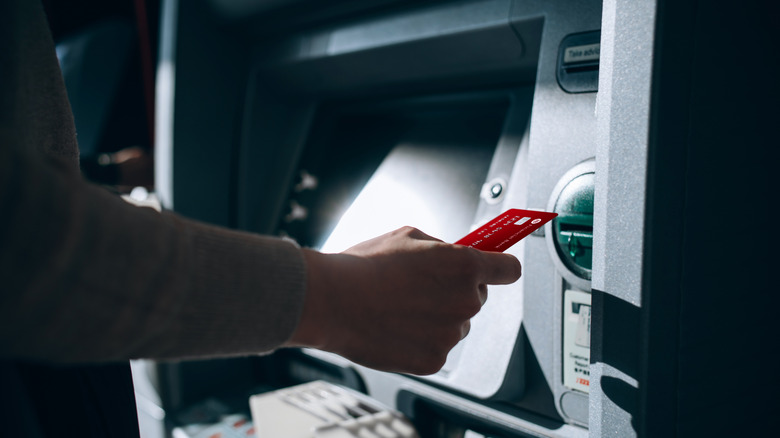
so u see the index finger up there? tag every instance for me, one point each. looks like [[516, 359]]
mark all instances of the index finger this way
[[500, 268]]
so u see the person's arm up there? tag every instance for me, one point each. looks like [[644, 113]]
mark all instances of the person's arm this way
[[86, 277]]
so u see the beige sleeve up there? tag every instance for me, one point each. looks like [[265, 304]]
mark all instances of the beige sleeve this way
[[85, 276]]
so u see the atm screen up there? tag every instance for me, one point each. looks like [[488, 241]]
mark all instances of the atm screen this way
[[369, 169]]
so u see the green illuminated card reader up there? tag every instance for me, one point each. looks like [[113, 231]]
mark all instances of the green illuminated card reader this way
[[572, 230]]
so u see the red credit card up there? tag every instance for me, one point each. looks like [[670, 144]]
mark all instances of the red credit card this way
[[506, 229]]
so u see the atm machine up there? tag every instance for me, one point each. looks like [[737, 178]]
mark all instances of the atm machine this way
[[332, 122]]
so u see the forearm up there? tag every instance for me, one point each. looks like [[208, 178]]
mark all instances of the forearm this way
[[87, 277]]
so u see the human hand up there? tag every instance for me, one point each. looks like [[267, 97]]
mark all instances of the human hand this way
[[398, 302]]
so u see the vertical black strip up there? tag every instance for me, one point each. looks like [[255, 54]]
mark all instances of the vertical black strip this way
[[709, 302], [664, 214]]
